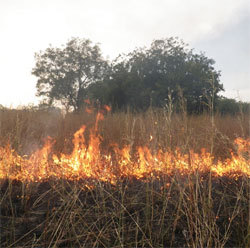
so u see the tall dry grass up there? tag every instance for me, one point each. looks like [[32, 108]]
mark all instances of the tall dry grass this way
[[172, 211], [27, 129]]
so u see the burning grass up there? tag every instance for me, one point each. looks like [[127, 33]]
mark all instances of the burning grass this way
[[144, 180]]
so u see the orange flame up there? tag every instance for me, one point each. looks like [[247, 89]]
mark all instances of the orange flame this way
[[87, 161], [108, 108], [88, 110], [87, 101]]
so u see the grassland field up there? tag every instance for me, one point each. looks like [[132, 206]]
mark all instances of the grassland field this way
[[197, 209]]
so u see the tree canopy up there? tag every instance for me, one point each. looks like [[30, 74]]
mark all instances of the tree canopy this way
[[65, 73], [148, 75], [142, 78]]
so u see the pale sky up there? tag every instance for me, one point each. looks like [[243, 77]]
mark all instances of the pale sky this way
[[220, 28]]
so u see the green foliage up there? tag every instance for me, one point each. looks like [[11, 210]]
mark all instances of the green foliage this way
[[138, 80], [228, 106], [64, 73], [146, 77]]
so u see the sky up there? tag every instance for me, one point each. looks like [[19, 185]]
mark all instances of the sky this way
[[221, 29]]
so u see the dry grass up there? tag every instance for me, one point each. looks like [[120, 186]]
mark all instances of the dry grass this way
[[172, 211], [26, 129]]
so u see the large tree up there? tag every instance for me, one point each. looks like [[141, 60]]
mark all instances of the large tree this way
[[148, 75], [65, 73]]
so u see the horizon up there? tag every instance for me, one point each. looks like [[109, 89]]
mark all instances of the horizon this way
[[220, 30]]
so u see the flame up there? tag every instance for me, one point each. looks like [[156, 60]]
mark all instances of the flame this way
[[88, 110], [88, 161], [87, 101], [107, 108]]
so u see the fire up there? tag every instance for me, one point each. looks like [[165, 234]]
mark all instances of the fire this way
[[88, 161]]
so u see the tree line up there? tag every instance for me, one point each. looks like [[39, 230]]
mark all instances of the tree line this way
[[147, 77]]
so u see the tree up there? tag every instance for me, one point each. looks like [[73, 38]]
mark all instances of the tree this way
[[65, 73], [229, 106], [121, 89], [148, 75]]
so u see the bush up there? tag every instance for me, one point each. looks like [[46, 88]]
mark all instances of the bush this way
[[230, 106]]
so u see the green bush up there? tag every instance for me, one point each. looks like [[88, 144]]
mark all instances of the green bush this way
[[232, 107]]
